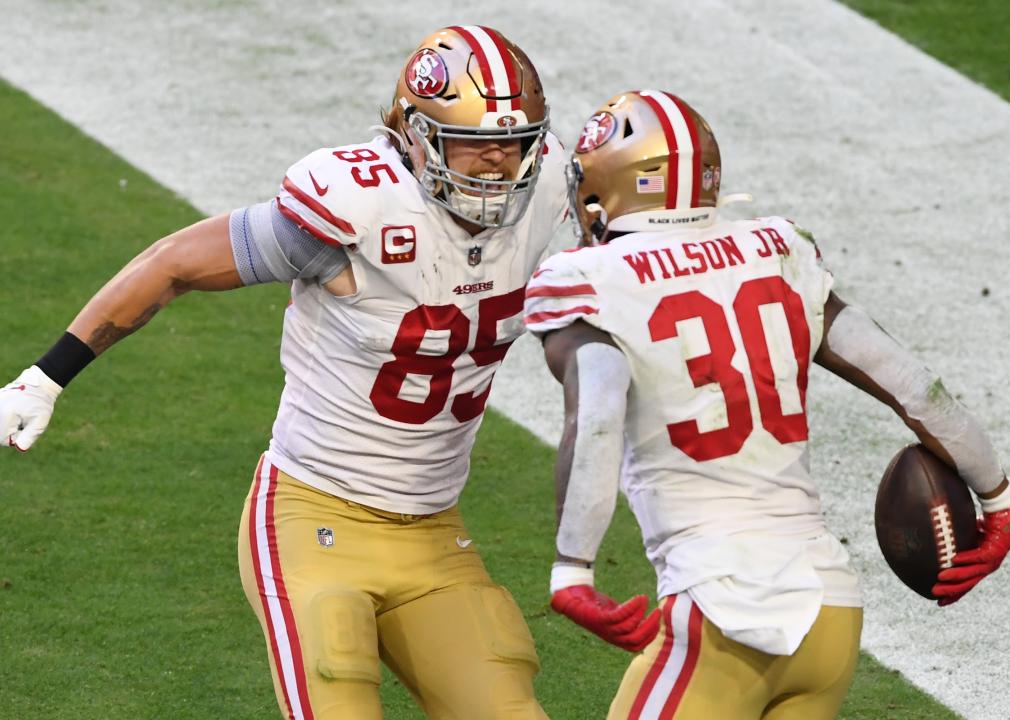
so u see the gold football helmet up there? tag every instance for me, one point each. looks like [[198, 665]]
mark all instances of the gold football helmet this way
[[645, 161], [470, 82]]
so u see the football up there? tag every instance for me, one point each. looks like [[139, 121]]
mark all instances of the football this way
[[924, 515]]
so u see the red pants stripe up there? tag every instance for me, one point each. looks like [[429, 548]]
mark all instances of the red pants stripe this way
[[284, 643]]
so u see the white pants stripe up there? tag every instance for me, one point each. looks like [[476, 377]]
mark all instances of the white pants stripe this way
[[280, 621]]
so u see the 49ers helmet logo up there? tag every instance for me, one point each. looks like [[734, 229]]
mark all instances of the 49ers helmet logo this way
[[597, 131], [427, 75]]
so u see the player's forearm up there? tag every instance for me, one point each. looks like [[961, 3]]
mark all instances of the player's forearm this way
[[562, 476], [858, 350], [590, 464], [196, 258], [126, 303]]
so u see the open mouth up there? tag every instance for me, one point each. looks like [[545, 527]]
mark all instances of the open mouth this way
[[487, 185], [489, 179]]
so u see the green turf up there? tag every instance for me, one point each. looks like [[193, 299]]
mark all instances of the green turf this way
[[119, 592], [972, 36]]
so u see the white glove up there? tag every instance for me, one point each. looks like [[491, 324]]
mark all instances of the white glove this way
[[25, 408]]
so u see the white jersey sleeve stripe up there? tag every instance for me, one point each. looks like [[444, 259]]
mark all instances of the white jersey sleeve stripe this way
[[284, 641], [294, 192], [546, 316], [305, 225], [560, 298], [560, 290]]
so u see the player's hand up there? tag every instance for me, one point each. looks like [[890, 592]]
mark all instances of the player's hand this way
[[970, 566], [25, 408], [624, 625]]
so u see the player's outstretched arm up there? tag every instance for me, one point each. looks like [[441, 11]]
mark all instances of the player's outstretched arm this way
[[856, 349], [596, 378], [198, 257]]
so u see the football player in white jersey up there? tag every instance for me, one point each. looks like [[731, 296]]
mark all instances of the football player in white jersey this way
[[684, 342], [408, 258]]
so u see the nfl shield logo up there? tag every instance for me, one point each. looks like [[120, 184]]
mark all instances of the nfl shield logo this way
[[473, 257], [325, 537]]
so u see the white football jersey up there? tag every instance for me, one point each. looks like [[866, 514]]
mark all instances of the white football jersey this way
[[719, 325], [385, 388]]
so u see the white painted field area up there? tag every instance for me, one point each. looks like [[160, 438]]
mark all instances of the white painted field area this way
[[897, 163]]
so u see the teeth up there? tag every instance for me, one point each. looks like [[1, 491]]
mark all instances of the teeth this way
[[491, 176]]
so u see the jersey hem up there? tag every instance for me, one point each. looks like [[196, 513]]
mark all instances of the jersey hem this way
[[334, 488]]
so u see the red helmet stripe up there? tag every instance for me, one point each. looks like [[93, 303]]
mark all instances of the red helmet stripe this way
[[692, 128], [510, 67], [671, 147], [682, 139], [496, 67], [485, 68]]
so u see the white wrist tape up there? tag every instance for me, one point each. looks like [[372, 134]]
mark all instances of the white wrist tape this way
[[998, 503], [563, 576], [604, 378], [858, 340]]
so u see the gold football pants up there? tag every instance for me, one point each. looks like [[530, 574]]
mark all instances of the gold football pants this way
[[337, 586], [691, 671]]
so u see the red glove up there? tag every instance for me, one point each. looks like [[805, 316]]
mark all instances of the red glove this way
[[970, 566], [622, 625]]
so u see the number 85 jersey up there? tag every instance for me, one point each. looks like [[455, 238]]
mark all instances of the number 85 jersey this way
[[385, 388], [719, 325]]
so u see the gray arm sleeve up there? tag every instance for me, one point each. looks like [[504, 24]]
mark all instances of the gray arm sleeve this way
[[270, 248]]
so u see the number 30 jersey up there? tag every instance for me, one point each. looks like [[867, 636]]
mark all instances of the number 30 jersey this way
[[719, 326], [385, 388]]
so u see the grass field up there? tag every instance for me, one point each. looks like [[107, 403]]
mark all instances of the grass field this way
[[972, 36], [119, 592]]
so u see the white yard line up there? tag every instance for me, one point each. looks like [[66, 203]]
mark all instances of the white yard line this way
[[897, 163]]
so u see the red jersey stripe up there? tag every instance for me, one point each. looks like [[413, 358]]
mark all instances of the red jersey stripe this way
[[554, 314], [671, 146], [560, 291], [696, 155], [300, 222], [317, 207]]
